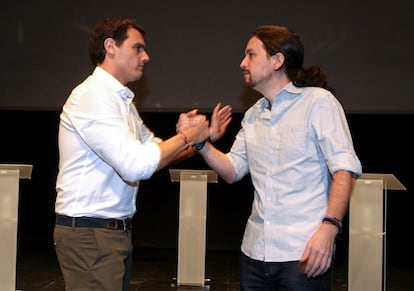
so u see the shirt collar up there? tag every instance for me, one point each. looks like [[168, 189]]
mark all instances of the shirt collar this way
[[123, 91], [289, 90], [292, 89], [126, 94]]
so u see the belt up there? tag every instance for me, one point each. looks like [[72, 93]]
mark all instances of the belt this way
[[110, 223]]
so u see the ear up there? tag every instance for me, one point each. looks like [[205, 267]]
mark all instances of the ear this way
[[109, 45], [278, 60]]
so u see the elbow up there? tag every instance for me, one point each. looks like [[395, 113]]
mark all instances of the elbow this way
[[229, 179], [134, 174], [133, 178]]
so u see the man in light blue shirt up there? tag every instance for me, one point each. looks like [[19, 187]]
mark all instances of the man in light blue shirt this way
[[296, 145]]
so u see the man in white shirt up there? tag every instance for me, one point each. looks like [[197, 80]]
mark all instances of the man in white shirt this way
[[105, 149]]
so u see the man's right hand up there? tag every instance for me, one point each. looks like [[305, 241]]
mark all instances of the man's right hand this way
[[189, 119], [220, 119]]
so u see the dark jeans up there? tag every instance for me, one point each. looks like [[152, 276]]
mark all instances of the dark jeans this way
[[284, 276]]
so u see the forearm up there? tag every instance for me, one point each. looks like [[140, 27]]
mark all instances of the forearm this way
[[219, 162], [174, 150], [340, 193]]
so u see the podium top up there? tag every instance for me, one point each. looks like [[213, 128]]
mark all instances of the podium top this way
[[390, 181], [25, 171], [176, 174]]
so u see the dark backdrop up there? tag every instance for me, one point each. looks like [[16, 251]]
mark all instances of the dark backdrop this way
[[365, 47], [382, 142]]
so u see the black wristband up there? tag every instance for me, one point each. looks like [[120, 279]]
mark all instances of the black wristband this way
[[334, 221], [200, 145]]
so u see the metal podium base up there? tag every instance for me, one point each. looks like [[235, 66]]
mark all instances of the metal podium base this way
[[206, 286]]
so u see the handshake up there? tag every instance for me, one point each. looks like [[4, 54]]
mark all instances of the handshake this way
[[198, 130]]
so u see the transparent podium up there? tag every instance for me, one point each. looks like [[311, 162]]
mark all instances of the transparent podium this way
[[192, 225], [10, 176], [367, 231]]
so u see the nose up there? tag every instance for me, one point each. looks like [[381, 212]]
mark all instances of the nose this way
[[242, 64], [146, 57]]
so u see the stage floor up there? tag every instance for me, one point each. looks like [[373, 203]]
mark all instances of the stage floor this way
[[155, 269]]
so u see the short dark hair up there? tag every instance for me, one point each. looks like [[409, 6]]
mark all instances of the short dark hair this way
[[115, 28]]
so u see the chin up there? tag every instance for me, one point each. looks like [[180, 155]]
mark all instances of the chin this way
[[138, 76], [249, 84], [248, 81]]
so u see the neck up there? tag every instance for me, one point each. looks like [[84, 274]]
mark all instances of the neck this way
[[273, 87]]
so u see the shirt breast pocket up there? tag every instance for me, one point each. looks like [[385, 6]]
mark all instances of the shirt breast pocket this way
[[293, 144]]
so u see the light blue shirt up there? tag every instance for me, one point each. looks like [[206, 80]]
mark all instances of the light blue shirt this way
[[291, 153], [104, 150]]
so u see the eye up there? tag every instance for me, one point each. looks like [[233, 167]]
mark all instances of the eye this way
[[139, 48]]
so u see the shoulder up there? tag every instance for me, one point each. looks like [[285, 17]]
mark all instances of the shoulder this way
[[318, 95], [92, 95]]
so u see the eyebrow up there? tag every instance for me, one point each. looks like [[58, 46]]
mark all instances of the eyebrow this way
[[249, 50], [139, 45]]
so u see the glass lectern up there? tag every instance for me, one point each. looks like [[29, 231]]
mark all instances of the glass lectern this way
[[367, 231], [192, 225], [10, 176]]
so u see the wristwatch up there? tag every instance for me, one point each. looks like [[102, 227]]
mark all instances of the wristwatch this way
[[200, 145]]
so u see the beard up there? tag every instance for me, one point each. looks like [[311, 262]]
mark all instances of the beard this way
[[248, 81]]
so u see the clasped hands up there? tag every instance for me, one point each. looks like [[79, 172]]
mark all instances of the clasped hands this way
[[220, 119]]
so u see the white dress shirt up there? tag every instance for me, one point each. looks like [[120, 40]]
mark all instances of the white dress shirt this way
[[291, 153], [104, 150]]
